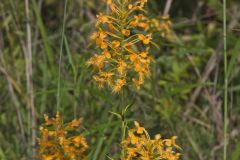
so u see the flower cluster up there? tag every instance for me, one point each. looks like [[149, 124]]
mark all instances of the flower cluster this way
[[139, 146], [123, 41], [161, 25], [58, 142]]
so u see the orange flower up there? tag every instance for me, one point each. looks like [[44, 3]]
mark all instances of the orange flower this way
[[101, 19], [101, 81], [107, 54], [145, 39], [115, 44], [121, 67], [133, 138], [130, 6], [119, 84], [126, 32], [139, 128], [107, 76], [109, 2], [97, 61]]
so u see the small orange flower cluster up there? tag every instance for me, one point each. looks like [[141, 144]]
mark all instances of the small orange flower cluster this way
[[139, 145], [56, 143], [162, 25], [124, 44]]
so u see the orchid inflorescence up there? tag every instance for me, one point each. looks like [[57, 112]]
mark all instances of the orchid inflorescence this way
[[58, 141], [124, 41], [139, 146]]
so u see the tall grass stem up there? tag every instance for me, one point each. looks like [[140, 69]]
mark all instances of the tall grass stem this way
[[60, 57], [29, 76], [225, 81]]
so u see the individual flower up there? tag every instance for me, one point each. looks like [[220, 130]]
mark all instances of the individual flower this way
[[123, 41], [139, 146], [58, 141]]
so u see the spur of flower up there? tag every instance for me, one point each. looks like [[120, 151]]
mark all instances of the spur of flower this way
[[123, 41], [139, 146], [59, 141]]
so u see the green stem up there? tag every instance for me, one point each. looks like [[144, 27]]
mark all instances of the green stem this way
[[123, 123], [225, 82], [123, 136]]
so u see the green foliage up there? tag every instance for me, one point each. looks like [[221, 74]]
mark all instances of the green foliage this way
[[183, 96]]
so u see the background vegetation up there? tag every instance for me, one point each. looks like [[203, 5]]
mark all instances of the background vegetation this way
[[184, 96]]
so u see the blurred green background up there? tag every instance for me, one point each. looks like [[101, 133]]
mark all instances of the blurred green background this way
[[183, 97]]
